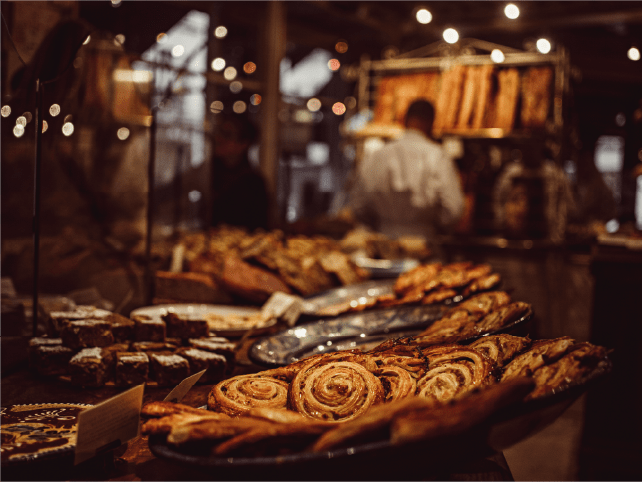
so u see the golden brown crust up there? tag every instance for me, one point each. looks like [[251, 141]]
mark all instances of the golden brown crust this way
[[540, 353], [163, 409], [500, 349], [239, 394], [164, 425]]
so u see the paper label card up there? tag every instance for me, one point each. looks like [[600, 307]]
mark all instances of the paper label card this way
[[177, 394], [108, 424]]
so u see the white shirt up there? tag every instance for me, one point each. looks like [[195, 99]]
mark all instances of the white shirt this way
[[408, 187]]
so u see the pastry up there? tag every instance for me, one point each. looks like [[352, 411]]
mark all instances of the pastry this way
[[239, 394], [500, 349]]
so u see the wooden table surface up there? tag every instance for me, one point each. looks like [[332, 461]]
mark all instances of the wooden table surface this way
[[134, 461]]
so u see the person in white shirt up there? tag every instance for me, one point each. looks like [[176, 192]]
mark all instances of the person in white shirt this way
[[409, 187]]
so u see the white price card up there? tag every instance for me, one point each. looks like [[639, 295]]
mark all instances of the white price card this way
[[108, 424], [177, 394]]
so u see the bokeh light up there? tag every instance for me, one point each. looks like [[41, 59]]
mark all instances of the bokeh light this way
[[239, 107], [634, 54], [334, 64], [89, 37], [54, 110], [423, 16], [497, 56], [351, 102], [236, 87], [543, 46], [28, 116], [339, 108], [450, 35], [5, 111], [313, 104], [230, 73], [512, 11], [161, 38], [218, 64], [21, 121], [249, 67], [341, 47], [120, 38], [178, 50], [122, 133], [68, 118], [45, 126], [18, 130], [220, 31], [255, 99], [68, 128], [116, 3], [216, 107]]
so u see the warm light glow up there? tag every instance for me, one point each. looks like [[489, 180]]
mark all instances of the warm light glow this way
[[54, 110], [125, 75], [18, 130], [120, 38], [89, 37], [230, 73], [351, 102], [116, 3], [313, 104], [634, 54], [255, 99], [28, 116], [334, 64], [512, 11], [161, 38], [249, 67], [236, 87], [341, 47], [450, 35], [68, 118], [45, 126], [5, 111], [339, 108], [423, 16], [21, 121], [239, 107], [216, 107], [122, 133], [220, 32], [497, 56], [68, 129], [218, 64], [543, 46], [178, 50]]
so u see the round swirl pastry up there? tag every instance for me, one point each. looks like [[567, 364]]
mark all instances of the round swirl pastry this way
[[500, 349], [335, 390], [239, 394], [453, 371], [398, 374]]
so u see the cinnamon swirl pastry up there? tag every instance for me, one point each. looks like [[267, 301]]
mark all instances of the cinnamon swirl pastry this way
[[398, 374], [485, 282], [485, 303], [500, 349], [541, 353], [415, 277], [453, 371], [502, 317], [335, 390], [239, 394]]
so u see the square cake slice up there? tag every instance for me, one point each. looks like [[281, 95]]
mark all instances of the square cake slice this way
[[89, 368], [149, 329], [87, 333], [168, 369], [214, 363], [132, 368], [51, 360]]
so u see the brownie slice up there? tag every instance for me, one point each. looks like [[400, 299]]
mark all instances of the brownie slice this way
[[168, 368], [38, 341], [183, 328], [122, 327], [132, 368], [89, 368], [149, 329], [57, 319], [51, 360], [214, 363], [219, 345], [87, 333], [154, 346]]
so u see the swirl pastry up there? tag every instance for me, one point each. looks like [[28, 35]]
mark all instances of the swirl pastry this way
[[500, 349], [540, 353], [239, 394], [335, 390], [453, 371], [485, 303], [502, 317], [398, 374]]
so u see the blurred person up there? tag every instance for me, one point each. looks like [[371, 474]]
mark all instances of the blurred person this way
[[409, 187], [239, 193]]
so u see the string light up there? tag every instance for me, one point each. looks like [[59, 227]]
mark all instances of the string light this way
[[18, 130], [313, 104], [54, 110], [178, 50], [230, 73], [220, 32], [497, 56], [5, 111], [21, 121], [239, 107], [450, 35], [161, 38], [634, 54], [120, 38], [512, 11], [45, 126], [423, 16], [116, 3], [249, 67], [255, 99], [334, 64], [68, 129], [218, 64], [339, 108], [543, 46], [216, 107], [341, 47], [122, 133], [236, 87]]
